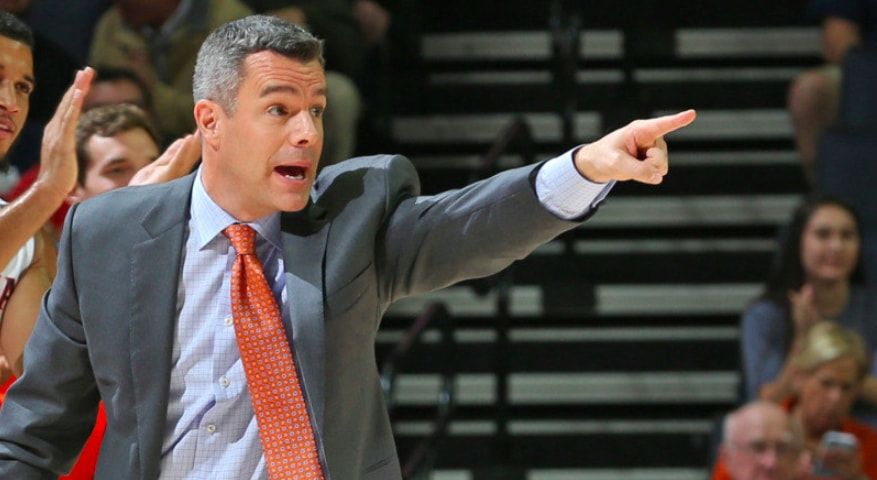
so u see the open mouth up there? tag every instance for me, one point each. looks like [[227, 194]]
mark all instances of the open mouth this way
[[293, 172]]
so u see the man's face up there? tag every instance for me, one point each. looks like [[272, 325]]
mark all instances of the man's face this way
[[16, 84], [114, 160], [761, 448], [267, 151]]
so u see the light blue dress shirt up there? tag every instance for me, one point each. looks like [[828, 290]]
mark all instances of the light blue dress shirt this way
[[210, 431]]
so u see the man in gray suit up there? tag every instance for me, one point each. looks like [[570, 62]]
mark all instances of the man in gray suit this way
[[140, 314]]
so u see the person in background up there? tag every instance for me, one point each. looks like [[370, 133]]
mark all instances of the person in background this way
[[760, 441], [817, 276], [814, 95], [832, 365], [159, 39]]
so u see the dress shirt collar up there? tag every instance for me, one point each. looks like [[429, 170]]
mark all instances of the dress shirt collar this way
[[209, 219]]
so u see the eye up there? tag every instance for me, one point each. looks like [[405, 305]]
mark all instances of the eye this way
[[849, 234], [115, 171], [24, 88], [823, 233], [277, 110], [317, 112]]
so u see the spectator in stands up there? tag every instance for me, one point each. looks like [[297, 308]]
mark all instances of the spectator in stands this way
[[814, 95], [116, 142], [333, 21], [159, 40], [761, 442], [817, 276], [831, 368]]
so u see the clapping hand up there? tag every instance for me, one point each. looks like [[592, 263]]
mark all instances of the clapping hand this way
[[58, 167], [176, 161]]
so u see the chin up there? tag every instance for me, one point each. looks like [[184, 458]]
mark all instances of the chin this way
[[295, 205]]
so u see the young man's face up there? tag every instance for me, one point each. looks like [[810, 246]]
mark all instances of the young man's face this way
[[114, 160], [16, 84], [267, 151]]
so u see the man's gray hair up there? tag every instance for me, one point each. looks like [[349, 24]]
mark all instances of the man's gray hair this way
[[219, 67], [759, 407]]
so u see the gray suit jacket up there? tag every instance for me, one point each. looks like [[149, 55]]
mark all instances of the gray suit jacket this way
[[366, 239]]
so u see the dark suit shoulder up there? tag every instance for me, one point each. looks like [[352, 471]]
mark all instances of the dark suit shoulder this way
[[382, 162], [374, 183]]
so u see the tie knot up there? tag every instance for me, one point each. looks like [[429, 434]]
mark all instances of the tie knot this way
[[242, 238]]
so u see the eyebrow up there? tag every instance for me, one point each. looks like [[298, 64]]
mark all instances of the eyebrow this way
[[286, 88]]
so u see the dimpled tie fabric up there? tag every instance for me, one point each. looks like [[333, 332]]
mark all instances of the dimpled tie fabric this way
[[281, 414]]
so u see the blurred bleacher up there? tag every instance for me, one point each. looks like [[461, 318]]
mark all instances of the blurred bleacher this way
[[622, 339]]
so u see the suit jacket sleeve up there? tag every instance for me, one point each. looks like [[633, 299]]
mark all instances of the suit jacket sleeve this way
[[429, 242], [50, 411]]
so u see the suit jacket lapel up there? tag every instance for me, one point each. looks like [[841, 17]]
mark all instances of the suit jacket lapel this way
[[304, 249], [155, 273]]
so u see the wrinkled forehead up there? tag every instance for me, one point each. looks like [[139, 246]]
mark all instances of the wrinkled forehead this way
[[267, 66]]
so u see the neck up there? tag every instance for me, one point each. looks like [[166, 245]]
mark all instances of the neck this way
[[228, 198], [812, 436], [831, 297]]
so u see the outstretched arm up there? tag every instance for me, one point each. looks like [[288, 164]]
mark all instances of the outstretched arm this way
[[432, 242]]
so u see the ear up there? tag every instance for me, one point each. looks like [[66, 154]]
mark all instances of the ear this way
[[209, 117]]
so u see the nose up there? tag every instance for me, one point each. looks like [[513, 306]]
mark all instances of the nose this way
[[305, 129], [8, 98], [768, 459]]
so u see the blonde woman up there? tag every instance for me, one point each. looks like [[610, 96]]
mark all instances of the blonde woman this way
[[831, 367]]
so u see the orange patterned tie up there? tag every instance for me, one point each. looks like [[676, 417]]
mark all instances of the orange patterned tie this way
[[281, 414]]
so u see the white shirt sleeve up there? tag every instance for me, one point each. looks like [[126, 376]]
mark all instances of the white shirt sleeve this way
[[565, 192]]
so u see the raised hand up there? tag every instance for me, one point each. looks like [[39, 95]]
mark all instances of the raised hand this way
[[802, 305], [58, 168], [636, 151], [176, 161]]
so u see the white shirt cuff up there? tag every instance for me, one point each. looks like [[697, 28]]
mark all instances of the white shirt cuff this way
[[565, 192]]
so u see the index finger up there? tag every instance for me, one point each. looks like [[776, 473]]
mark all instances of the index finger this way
[[660, 126]]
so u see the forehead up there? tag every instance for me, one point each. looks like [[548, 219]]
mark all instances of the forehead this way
[[844, 369], [763, 426], [135, 140], [831, 214], [14, 54], [267, 67]]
